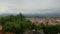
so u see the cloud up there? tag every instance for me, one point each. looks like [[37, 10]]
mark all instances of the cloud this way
[[29, 6]]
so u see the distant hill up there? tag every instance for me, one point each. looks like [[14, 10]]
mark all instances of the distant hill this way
[[4, 14], [36, 15], [43, 15]]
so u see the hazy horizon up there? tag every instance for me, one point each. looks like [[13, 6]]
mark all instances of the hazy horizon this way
[[30, 6]]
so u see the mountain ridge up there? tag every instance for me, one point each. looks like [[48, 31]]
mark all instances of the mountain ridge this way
[[30, 15]]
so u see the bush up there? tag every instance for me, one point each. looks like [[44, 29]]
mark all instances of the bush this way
[[20, 25], [52, 29]]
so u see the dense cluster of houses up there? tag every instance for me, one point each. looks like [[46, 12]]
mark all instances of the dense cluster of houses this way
[[48, 21]]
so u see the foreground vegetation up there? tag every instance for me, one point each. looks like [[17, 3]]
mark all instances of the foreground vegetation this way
[[19, 25]]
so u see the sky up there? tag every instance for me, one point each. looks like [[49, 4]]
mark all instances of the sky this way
[[29, 6]]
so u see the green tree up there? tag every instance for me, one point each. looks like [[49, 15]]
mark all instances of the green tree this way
[[2, 20], [19, 27], [50, 29], [17, 24]]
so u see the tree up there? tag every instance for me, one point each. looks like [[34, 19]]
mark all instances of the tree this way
[[40, 26], [50, 29], [11, 27], [2, 20], [19, 27], [17, 24]]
